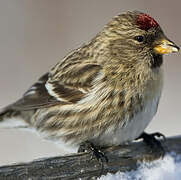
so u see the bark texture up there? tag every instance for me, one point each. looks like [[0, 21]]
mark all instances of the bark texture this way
[[83, 166]]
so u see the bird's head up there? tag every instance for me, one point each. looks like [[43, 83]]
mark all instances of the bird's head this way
[[135, 36]]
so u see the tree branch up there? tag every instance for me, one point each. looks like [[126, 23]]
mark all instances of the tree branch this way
[[81, 165]]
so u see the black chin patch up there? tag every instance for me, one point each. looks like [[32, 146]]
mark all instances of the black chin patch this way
[[156, 61]]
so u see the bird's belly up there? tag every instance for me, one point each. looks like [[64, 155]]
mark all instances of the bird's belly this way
[[133, 128]]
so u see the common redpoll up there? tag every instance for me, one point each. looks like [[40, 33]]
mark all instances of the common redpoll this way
[[105, 92]]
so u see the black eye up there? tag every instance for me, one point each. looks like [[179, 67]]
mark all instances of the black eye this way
[[139, 38]]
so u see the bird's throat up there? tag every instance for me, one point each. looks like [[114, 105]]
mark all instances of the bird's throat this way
[[156, 61]]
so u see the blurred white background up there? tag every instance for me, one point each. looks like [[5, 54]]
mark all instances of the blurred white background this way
[[36, 34]]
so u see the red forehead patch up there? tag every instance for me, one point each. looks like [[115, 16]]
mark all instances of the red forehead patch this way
[[145, 22]]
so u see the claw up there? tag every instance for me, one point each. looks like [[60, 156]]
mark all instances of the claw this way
[[100, 156], [150, 140], [96, 152], [159, 135], [87, 146]]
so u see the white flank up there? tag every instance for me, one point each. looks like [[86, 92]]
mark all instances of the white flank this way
[[133, 128]]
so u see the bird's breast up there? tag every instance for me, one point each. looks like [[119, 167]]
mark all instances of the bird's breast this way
[[134, 118], [118, 134]]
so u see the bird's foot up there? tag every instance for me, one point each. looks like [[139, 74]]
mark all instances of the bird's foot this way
[[96, 151], [152, 141]]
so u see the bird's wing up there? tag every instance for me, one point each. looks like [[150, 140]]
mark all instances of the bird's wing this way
[[62, 85], [35, 97]]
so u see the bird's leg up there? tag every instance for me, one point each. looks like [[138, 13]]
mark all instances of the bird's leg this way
[[88, 146], [96, 151], [152, 141]]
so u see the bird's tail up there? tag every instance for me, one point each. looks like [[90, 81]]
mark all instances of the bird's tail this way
[[4, 113], [10, 118]]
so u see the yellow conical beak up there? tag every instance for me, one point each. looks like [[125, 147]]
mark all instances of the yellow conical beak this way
[[164, 46]]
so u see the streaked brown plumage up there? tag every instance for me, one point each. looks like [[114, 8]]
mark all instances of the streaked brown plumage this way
[[106, 91]]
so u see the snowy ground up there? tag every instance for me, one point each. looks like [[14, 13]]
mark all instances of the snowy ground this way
[[167, 169]]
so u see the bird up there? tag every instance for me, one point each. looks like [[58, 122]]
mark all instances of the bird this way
[[104, 92]]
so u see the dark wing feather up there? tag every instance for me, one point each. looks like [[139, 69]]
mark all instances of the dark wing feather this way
[[72, 83], [35, 97], [68, 87]]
